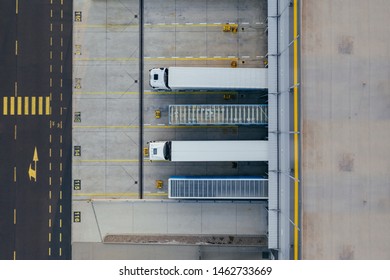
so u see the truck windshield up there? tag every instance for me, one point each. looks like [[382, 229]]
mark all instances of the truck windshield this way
[[167, 150], [166, 78]]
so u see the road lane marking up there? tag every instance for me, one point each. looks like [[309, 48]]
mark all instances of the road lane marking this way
[[32, 173], [60, 223], [51, 13], [19, 109], [16, 47], [49, 251], [26, 103], [12, 105], [60, 152], [61, 139], [40, 105], [5, 105], [16, 132], [51, 55], [62, 13], [47, 107], [50, 181], [60, 252], [60, 237], [49, 152], [62, 27], [14, 255], [49, 166], [50, 138], [49, 209], [33, 105], [60, 193], [60, 208], [14, 216], [17, 6], [49, 222], [61, 185], [49, 194], [49, 236], [15, 174], [60, 166]]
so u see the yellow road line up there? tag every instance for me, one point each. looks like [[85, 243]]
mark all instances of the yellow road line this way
[[26, 103], [296, 127], [152, 92], [158, 59], [14, 216], [47, 107], [49, 223], [49, 236], [40, 105], [168, 25], [5, 105], [14, 255], [119, 194], [33, 105], [106, 160], [151, 126], [17, 6], [12, 105], [49, 251], [19, 112]]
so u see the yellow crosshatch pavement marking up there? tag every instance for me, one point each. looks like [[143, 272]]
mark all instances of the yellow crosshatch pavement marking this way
[[23, 106]]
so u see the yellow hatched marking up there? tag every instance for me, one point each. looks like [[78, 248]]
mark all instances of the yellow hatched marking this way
[[26, 103], [19, 112], [33, 105], [12, 105], [5, 105], [40, 105]]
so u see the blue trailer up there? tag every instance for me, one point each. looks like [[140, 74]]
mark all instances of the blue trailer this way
[[210, 187]]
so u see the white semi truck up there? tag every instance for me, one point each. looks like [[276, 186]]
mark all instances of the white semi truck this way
[[178, 151], [208, 78]]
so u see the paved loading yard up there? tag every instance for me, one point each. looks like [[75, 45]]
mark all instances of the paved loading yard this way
[[346, 129], [106, 111]]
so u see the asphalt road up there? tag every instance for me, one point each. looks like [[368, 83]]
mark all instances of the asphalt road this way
[[35, 129]]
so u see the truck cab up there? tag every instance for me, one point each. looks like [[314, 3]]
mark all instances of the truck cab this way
[[158, 78], [160, 150]]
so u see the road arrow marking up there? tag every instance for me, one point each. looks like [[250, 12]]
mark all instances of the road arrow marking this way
[[32, 173]]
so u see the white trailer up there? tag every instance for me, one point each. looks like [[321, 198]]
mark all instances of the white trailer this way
[[207, 151], [218, 114], [208, 78], [208, 187]]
